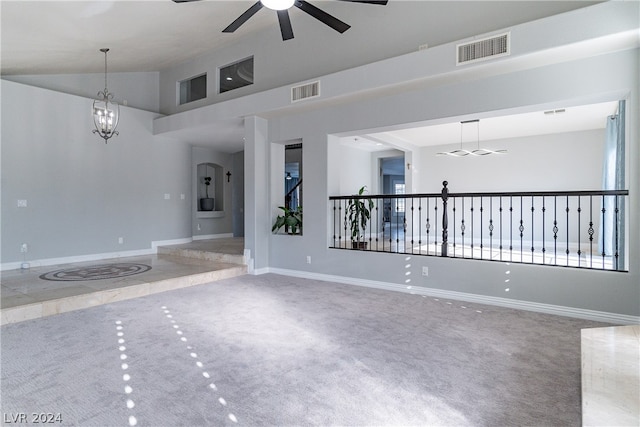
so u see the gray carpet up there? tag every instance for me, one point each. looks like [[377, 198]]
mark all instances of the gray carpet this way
[[279, 351]]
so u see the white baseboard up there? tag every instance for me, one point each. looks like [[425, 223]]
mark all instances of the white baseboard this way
[[74, 259], [213, 236], [155, 244], [598, 316], [95, 257]]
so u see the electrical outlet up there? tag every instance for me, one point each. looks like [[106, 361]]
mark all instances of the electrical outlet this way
[[198, 226], [24, 248], [167, 196], [425, 271], [120, 240], [22, 203], [181, 196], [308, 259]]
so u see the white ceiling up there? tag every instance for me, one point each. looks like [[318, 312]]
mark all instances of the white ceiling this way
[[557, 120], [58, 37], [64, 37]]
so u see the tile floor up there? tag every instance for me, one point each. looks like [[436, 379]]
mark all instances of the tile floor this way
[[24, 295], [611, 376]]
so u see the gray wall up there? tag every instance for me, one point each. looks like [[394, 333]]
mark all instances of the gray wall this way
[[83, 194], [563, 83]]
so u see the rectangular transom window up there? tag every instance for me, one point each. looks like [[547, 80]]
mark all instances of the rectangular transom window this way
[[236, 75], [193, 89]]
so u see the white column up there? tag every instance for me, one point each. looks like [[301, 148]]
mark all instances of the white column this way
[[257, 209]]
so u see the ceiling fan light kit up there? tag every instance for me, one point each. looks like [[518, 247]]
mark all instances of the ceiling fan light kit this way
[[282, 8], [277, 4]]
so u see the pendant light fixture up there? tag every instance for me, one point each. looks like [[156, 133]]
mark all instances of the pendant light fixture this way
[[478, 151], [106, 112]]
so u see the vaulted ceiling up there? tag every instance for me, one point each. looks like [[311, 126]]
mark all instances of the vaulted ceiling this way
[[63, 37]]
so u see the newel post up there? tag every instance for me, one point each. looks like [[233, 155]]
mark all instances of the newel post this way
[[445, 219]]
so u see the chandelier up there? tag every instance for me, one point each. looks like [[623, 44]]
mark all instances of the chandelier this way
[[477, 152], [106, 112]]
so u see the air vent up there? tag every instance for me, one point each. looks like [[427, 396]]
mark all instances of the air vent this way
[[480, 50], [305, 91]]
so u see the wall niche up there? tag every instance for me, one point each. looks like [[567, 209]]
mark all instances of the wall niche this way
[[210, 185]]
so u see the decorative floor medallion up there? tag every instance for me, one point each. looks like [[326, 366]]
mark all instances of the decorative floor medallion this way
[[96, 272]]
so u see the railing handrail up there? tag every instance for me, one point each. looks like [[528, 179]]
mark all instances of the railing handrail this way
[[430, 218], [490, 194]]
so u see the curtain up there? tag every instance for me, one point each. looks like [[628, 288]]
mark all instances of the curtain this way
[[613, 179]]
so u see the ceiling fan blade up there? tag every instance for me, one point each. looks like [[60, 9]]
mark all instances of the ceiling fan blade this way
[[285, 24], [322, 16], [243, 18], [379, 2]]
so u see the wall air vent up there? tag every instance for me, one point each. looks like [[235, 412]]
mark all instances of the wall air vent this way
[[305, 91], [480, 50]]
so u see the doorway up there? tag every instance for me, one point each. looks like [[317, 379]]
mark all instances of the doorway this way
[[392, 182]]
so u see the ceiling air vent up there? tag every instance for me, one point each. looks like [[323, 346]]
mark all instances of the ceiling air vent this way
[[483, 49], [305, 91]]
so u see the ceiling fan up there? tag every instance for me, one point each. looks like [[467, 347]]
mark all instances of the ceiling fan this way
[[282, 8]]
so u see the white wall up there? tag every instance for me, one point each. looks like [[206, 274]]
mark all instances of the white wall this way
[[135, 90], [558, 162], [354, 168], [395, 29], [83, 194]]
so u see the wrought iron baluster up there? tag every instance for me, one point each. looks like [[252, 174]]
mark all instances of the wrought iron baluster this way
[[555, 230], [377, 221], [412, 230], [404, 225], [435, 234], [567, 251], [454, 227], [591, 231], [579, 231], [511, 228], [521, 228], [481, 229], [420, 225], [532, 229], [615, 221], [490, 227], [544, 243], [344, 223], [427, 226], [334, 223], [472, 235], [462, 227], [500, 210], [604, 211]]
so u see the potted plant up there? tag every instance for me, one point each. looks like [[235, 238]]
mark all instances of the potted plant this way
[[207, 203], [291, 220], [359, 214]]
